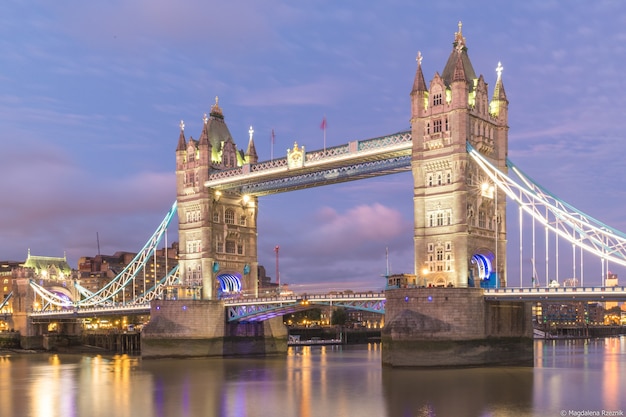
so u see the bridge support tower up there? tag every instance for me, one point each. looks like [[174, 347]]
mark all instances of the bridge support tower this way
[[460, 216]]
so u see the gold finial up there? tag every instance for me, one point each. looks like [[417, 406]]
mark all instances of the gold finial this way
[[459, 40], [499, 69], [419, 58], [251, 132], [182, 126], [215, 109], [205, 118]]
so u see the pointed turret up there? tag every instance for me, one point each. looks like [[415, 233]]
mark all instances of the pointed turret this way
[[452, 70], [182, 143], [419, 84], [204, 136], [251, 156], [499, 103], [498, 92], [419, 93]]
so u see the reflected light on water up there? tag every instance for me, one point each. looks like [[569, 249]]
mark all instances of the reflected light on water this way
[[311, 381]]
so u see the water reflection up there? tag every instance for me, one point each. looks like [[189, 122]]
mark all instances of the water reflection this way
[[313, 381]]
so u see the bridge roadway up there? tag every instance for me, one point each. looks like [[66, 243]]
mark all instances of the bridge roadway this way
[[262, 308]]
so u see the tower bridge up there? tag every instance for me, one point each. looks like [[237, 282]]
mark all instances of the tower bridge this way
[[457, 153]]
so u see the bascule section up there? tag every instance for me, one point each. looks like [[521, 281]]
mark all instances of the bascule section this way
[[217, 228], [460, 215]]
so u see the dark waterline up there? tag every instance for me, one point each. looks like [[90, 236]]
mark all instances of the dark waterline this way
[[570, 377]]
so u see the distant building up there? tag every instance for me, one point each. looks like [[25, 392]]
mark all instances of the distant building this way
[[97, 271], [611, 281], [401, 280]]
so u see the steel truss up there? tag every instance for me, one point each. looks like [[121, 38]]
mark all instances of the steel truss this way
[[556, 215], [330, 176], [106, 294], [6, 300], [244, 310], [351, 161]]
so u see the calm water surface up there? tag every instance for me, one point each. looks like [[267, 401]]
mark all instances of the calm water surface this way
[[570, 378]]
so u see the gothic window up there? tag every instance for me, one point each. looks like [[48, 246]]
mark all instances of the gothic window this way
[[439, 181], [219, 247], [230, 246], [440, 253], [440, 218], [428, 128], [430, 180], [242, 220], [481, 219], [447, 127], [437, 99], [216, 216], [437, 126], [448, 177], [240, 249], [229, 216], [430, 247]]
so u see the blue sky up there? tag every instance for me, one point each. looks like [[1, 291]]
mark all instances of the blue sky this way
[[92, 94]]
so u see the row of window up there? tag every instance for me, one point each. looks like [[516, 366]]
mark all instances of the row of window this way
[[438, 126], [434, 179], [231, 247], [439, 218], [191, 179]]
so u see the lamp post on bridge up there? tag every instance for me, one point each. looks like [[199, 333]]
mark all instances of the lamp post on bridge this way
[[277, 250]]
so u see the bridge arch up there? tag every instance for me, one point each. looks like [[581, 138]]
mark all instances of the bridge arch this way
[[229, 284]]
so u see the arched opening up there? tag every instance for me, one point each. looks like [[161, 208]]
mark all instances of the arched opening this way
[[229, 285]]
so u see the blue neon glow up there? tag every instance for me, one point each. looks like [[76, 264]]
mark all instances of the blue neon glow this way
[[484, 266]]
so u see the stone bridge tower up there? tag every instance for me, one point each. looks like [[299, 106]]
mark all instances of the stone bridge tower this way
[[460, 217], [217, 230]]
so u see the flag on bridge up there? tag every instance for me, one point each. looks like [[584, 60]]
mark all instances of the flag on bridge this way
[[323, 127]]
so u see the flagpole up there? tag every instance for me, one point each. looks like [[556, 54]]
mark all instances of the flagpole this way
[[324, 128], [272, 146]]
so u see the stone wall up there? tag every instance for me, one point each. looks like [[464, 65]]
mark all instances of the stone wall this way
[[191, 328], [438, 327]]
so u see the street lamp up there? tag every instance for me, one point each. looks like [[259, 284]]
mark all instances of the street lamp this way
[[489, 190]]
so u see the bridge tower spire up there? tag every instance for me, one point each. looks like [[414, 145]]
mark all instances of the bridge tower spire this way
[[459, 232], [217, 229]]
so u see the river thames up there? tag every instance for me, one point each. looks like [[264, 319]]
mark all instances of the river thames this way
[[570, 378]]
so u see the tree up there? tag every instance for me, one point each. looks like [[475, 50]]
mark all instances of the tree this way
[[339, 317]]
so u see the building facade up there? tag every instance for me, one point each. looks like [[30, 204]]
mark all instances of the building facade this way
[[460, 216], [217, 230]]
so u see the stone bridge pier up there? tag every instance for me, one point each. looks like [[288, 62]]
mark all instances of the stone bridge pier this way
[[454, 327], [189, 328]]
